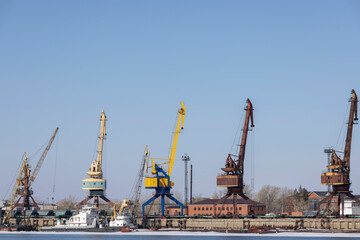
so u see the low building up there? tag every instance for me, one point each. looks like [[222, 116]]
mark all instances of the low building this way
[[316, 196], [207, 207], [351, 207], [47, 206], [174, 210], [296, 207]]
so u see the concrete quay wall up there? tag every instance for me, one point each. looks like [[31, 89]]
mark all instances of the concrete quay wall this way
[[333, 224]]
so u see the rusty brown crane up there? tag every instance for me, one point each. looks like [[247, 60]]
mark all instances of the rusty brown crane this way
[[233, 178], [22, 189], [338, 175]]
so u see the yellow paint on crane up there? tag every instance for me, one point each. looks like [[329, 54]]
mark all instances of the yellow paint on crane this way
[[151, 182], [15, 191], [334, 166], [180, 121], [96, 180]]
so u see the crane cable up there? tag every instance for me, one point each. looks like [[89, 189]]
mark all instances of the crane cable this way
[[238, 131], [172, 139], [15, 176], [96, 145], [341, 129], [19, 166], [252, 159], [37, 151], [55, 170]]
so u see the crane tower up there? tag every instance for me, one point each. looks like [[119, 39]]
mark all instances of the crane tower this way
[[162, 169], [233, 178], [22, 188], [96, 184], [338, 174]]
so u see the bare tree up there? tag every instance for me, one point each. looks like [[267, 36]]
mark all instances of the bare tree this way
[[68, 203], [178, 195], [197, 197], [277, 199], [218, 194], [285, 193], [270, 196], [248, 191], [301, 196]]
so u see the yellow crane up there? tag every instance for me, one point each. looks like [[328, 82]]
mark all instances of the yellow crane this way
[[96, 184], [15, 191], [162, 169], [22, 187]]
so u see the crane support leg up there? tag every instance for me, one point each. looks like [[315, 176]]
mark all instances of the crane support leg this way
[[162, 205], [177, 202], [222, 200], [34, 203], [82, 202], [235, 205], [243, 196], [325, 200], [341, 196], [148, 202], [163, 193], [107, 200], [353, 197]]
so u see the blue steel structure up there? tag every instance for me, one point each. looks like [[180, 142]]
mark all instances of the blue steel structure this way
[[162, 192], [161, 177]]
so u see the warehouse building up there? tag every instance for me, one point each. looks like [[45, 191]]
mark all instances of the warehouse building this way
[[207, 207]]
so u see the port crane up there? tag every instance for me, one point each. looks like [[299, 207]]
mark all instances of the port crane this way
[[233, 177], [338, 175], [161, 170], [96, 184], [140, 178], [22, 187], [130, 206]]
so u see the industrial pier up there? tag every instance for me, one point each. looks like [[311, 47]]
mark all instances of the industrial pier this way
[[242, 225]]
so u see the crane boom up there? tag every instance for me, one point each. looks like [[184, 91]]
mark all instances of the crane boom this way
[[161, 182], [96, 165], [180, 122], [233, 178], [249, 116], [137, 191], [101, 140], [352, 118], [96, 184], [338, 174], [42, 158]]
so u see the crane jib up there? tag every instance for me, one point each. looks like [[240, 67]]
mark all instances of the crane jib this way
[[42, 158]]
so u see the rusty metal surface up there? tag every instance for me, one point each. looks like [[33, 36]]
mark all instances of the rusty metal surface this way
[[234, 169], [339, 169], [341, 178], [229, 181]]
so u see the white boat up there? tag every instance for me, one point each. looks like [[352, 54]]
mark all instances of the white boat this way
[[123, 221], [88, 218]]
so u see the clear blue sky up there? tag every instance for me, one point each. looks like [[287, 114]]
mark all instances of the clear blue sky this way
[[62, 62]]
